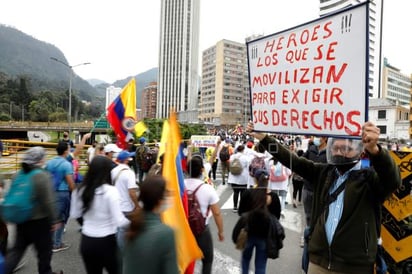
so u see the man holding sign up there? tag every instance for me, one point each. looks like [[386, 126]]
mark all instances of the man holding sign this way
[[343, 236]]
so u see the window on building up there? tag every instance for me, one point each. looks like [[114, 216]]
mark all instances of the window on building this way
[[383, 129], [381, 114]]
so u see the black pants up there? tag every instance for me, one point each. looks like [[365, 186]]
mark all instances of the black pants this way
[[35, 232], [213, 170], [237, 192], [297, 189], [99, 254], [205, 243]]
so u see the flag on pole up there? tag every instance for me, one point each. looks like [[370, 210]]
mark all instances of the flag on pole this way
[[121, 113], [187, 249], [140, 128]]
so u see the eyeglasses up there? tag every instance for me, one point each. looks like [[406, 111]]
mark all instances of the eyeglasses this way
[[342, 149]]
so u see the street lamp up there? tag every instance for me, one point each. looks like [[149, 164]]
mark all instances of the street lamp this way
[[69, 118]]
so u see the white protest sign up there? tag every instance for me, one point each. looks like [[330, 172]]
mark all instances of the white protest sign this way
[[312, 79], [204, 140]]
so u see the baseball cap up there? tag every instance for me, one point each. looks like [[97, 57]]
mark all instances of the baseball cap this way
[[112, 148], [124, 154], [34, 155], [142, 140], [259, 172]]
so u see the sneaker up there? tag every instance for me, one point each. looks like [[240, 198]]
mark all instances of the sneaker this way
[[235, 210], [59, 272], [61, 248]]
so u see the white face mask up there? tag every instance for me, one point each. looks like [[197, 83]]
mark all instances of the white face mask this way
[[316, 141]]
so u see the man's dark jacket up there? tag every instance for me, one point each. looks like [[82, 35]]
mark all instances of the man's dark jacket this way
[[354, 245], [318, 156]]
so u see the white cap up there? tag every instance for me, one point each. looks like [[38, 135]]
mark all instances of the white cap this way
[[112, 148]]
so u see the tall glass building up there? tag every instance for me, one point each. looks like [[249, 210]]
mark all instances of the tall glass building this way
[[178, 58]]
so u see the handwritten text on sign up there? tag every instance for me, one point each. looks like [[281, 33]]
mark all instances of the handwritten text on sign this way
[[312, 79]]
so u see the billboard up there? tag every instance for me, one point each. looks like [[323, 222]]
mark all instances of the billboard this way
[[312, 79]]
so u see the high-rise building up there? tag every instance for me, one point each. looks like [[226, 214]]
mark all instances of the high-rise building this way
[[224, 96], [149, 101], [396, 86], [178, 57], [111, 94], [375, 36]]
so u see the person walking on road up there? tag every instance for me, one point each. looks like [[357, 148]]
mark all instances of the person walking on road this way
[[95, 204], [208, 201], [44, 219], [343, 234], [63, 171]]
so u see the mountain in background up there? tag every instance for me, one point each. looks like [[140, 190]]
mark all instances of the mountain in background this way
[[22, 55], [95, 82]]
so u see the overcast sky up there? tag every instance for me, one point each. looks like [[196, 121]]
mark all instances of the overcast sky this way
[[121, 38]]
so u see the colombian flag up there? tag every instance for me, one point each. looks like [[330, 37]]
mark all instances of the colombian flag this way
[[121, 113], [186, 246]]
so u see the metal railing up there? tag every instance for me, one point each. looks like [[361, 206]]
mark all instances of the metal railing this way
[[13, 151]]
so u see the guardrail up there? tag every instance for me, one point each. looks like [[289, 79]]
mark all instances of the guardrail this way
[[13, 151]]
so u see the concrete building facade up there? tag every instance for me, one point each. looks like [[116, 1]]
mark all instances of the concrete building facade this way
[[149, 101], [224, 95], [375, 36], [396, 86]]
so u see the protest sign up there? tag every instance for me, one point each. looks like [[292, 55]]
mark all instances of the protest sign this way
[[312, 79], [204, 140]]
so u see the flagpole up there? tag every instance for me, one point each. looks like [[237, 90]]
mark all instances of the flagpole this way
[[98, 120]]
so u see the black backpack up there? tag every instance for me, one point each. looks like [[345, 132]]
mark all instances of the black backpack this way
[[224, 154]]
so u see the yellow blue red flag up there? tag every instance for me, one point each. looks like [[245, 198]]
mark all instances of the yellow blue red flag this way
[[186, 245], [121, 113]]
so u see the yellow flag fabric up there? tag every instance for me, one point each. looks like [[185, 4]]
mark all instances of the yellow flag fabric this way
[[121, 113], [163, 139], [140, 128], [186, 245]]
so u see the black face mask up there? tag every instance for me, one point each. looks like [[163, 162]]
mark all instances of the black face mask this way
[[343, 163], [65, 136]]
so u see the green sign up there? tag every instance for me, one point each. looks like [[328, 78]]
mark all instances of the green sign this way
[[101, 124]]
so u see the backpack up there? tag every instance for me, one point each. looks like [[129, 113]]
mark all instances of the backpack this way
[[274, 241], [148, 160], [224, 153], [277, 173], [236, 167], [139, 153], [196, 219], [18, 203], [255, 164]]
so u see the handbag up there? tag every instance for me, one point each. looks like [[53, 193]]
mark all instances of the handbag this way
[[241, 239]]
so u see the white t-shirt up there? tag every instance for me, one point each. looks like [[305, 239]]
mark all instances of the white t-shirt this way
[[90, 152], [206, 195], [104, 216], [124, 179]]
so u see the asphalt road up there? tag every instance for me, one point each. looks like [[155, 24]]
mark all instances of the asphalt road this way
[[226, 259]]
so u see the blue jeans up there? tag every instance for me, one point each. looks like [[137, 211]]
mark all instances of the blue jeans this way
[[63, 211], [260, 255]]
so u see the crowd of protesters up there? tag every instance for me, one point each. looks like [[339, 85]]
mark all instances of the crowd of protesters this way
[[121, 196]]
